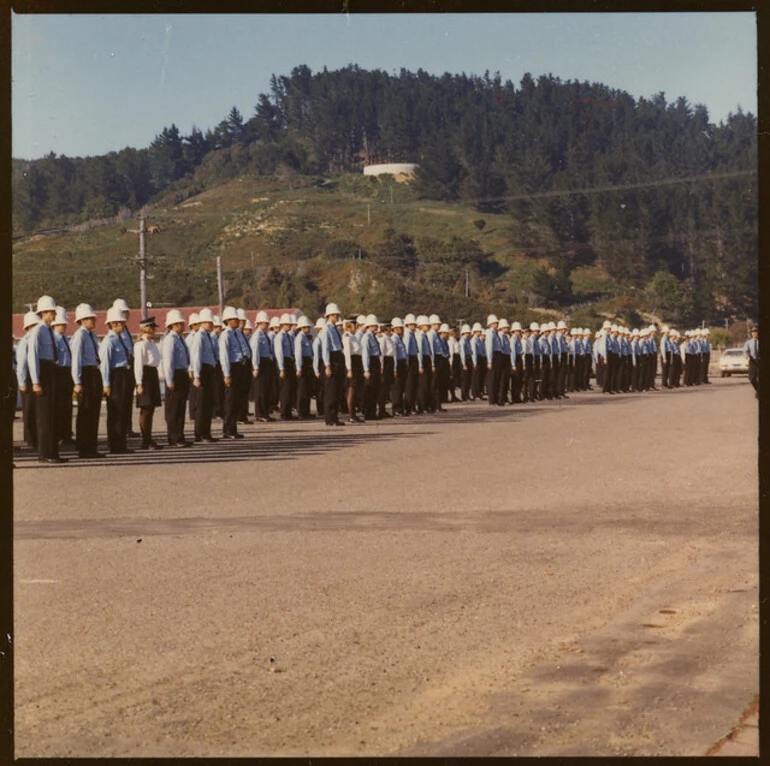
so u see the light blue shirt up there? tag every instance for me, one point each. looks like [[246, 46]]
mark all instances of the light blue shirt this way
[[230, 351], [85, 353], [491, 343], [174, 355], [466, 352], [22, 365], [113, 354], [63, 352], [283, 349], [261, 347], [410, 342], [330, 341], [399, 348], [424, 348], [751, 348], [129, 342], [201, 352], [40, 346], [545, 346], [369, 347], [317, 354], [303, 347]]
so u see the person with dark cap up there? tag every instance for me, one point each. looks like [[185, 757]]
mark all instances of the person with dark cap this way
[[751, 350], [42, 356], [146, 362]]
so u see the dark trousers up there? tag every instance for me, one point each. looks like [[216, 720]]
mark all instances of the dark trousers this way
[[457, 377], [386, 384], [465, 391], [128, 404], [64, 386], [530, 376], [288, 387], [305, 384], [121, 388], [676, 371], [555, 367], [372, 387], [545, 378], [494, 378], [89, 406], [192, 403], [437, 383], [28, 412], [334, 385], [8, 402], [275, 388], [424, 385], [479, 376], [517, 379], [232, 398], [561, 374], [505, 380], [610, 373], [588, 364], [45, 412], [204, 410], [219, 392], [263, 384], [243, 402], [399, 385], [754, 374], [665, 368], [601, 374], [705, 362], [175, 406], [412, 379]]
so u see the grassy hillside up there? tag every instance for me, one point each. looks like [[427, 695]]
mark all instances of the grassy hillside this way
[[299, 245]]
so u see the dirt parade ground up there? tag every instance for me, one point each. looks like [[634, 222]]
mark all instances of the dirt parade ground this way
[[555, 579]]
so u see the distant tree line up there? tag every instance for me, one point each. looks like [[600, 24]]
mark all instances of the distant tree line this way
[[652, 191]]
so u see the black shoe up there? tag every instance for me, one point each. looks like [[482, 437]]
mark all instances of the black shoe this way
[[246, 422], [338, 423], [228, 436], [90, 455], [181, 444], [210, 439], [198, 438], [53, 460], [132, 434], [122, 451], [70, 440]]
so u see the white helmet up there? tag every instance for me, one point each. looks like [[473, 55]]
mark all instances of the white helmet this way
[[706, 331], [516, 326], [261, 317], [31, 319], [241, 315], [614, 328], [371, 321], [587, 331], [319, 323], [303, 321], [465, 328], [574, 331], [607, 325], [61, 316], [45, 303], [274, 322], [434, 319], [664, 328], [491, 319], [173, 317], [503, 323], [206, 315], [248, 325], [360, 319], [635, 331], [409, 319], [115, 315], [422, 320], [285, 319], [396, 322], [192, 319], [218, 321], [644, 331], [120, 304], [332, 308], [477, 327], [552, 325], [229, 313], [534, 326], [444, 327], [84, 311], [652, 328], [562, 325]]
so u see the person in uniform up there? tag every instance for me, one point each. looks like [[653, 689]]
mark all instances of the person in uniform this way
[[436, 347], [443, 365], [676, 362], [351, 348], [87, 382], [427, 365], [231, 357], [666, 356], [120, 305], [588, 360], [706, 358], [561, 380], [517, 357], [506, 366], [273, 329], [175, 360], [479, 359], [146, 362], [400, 371], [219, 378], [64, 384], [264, 367], [546, 354], [574, 360], [636, 361], [751, 350], [333, 365], [531, 362], [372, 365], [287, 372], [193, 323], [413, 364], [117, 380], [42, 357], [494, 360], [203, 359], [455, 365], [303, 354], [388, 357], [318, 370], [245, 369], [466, 362]]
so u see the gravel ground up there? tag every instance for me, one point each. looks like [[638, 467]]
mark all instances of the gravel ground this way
[[574, 578]]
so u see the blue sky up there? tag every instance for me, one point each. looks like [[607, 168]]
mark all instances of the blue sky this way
[[85, 85]]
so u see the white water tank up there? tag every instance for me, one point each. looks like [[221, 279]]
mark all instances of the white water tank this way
[[392, 168]]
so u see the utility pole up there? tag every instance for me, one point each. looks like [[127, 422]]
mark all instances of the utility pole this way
[[391, 195], [727, 324], [142, 268], [467, 284], [220, 285]]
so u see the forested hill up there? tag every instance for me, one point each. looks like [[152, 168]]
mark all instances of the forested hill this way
[[579, 174]]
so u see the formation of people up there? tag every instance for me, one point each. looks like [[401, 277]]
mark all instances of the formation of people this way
[[356, 368]]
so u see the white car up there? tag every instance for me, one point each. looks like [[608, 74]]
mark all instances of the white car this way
[[733, 362]]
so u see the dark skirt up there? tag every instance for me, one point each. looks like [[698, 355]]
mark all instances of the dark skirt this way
[[151, 395], [357, 367]]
